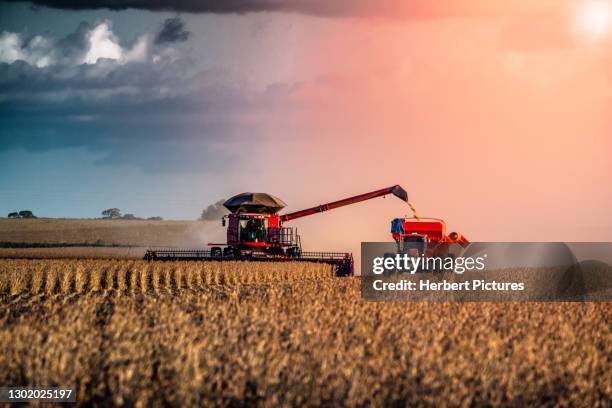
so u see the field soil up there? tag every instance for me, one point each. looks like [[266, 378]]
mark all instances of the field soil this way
[[139, 233], [233, 334], [95, 252]]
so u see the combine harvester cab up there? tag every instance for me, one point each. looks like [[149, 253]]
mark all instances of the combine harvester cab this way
[[256, 232]]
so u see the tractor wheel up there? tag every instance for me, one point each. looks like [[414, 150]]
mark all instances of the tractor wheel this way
[[293, 252], [389, 272], [276, 251], [344, 269]]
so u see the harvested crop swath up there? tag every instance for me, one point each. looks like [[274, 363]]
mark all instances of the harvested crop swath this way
[[32, 277]]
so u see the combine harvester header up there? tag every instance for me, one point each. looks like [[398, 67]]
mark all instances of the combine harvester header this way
[[256, 232]]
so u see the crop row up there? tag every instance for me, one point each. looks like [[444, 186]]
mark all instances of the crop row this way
[[22, 277]]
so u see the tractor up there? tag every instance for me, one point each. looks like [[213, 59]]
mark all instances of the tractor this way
[[427, 237]]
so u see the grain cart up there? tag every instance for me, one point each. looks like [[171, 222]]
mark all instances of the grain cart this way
[[424, 236]]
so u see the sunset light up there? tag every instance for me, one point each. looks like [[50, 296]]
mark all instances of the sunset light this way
[[594, 18], [306, 203]]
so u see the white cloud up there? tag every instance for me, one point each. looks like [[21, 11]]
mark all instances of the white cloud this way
[[10, 47], [88, 45], [140, 52], [103, 44], [38, 52]]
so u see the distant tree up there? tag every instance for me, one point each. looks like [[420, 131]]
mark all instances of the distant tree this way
[[26, 214], [155, 218], [129, 217], [111, 213], [13, 215], [214, 211]]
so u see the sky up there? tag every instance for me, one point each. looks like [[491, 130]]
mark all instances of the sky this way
[[494, 115]]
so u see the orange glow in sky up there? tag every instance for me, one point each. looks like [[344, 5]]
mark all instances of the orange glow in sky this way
[[594, 18], [495, 115], [499, 123]]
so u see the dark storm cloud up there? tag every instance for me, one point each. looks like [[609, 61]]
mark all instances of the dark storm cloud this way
[[74, 45], [328, 8], [153, 110], [124, 116], [173, 30], [202, 6]]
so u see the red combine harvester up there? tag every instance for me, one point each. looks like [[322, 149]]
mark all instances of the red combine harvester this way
[[256, 232], [424, 236]]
